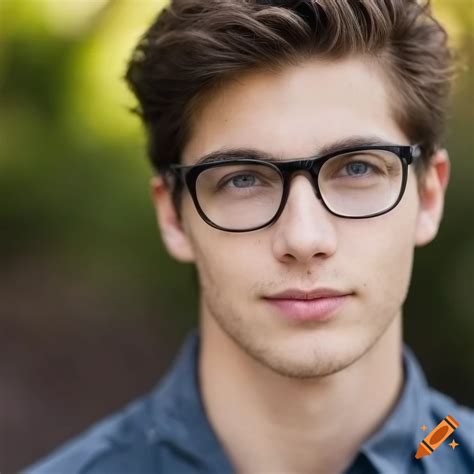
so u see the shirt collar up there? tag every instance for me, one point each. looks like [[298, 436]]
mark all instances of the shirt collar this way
[[179, 415], [400, 430]]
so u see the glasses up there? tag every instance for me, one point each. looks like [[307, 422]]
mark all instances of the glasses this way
[[242, 194]]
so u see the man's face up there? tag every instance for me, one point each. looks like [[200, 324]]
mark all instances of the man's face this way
[[293, 114]]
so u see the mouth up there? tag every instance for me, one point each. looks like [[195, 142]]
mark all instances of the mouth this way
[[315, 305]]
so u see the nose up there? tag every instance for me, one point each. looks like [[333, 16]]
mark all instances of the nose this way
[[305, 229]]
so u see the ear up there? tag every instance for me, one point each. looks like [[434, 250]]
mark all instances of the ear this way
[[431, 192], [172, 231]]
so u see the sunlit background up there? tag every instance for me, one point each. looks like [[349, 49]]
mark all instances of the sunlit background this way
[[92, 309]]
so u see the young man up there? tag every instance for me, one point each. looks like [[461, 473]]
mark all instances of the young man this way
[[299, 164]]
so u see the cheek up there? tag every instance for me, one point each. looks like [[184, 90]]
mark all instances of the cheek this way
[[227, 279], [382, 249], [225, 261]]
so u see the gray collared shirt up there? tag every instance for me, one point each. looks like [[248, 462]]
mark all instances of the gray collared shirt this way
[[167, 432]]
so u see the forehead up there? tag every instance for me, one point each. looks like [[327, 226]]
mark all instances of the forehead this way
[[295, 111]]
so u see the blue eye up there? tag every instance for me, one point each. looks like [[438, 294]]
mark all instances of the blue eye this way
[[357, 168], [245, 180]]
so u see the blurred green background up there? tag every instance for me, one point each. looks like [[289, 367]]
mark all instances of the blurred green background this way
[[92, 309]]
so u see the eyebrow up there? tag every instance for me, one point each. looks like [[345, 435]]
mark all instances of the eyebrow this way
[[225, 154]]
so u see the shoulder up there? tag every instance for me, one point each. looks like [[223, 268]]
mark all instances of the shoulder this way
[[430, 407], [117, 444], [442, 405], [149, 434], [462, 459]]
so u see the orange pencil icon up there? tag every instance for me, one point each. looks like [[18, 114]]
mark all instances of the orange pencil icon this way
[[436, 436]]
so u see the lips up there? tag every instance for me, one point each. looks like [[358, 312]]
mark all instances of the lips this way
[[297, 294], [319, 304]]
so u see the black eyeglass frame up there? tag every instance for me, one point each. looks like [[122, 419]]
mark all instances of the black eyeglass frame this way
[[188, 174]]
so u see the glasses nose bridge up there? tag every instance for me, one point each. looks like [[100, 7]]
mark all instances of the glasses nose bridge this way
[[305, 168]]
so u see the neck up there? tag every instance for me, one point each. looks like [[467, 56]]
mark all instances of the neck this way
[[270, 423]]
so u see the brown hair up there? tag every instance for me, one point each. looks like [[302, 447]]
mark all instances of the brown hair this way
[[194, 46]]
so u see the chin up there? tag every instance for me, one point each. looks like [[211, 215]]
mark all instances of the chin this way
[[308, 359]]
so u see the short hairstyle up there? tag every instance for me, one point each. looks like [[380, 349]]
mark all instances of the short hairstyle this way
[[195, 46]]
